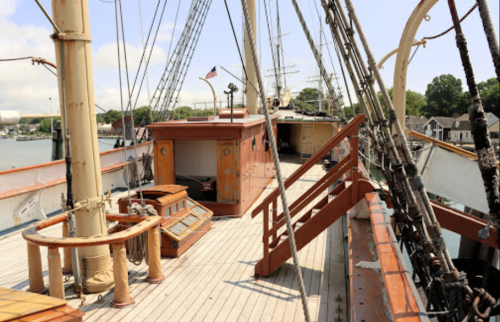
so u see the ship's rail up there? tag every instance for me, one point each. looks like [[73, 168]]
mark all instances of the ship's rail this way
[[117, 240], [447, 146]]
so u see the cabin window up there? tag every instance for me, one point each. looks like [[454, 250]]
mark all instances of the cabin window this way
[[466, 135], [166, 212], [181, 205], [174, 209]]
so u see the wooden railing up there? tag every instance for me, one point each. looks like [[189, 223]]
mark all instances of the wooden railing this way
[[117, 240], [447, 146], [348, 163]]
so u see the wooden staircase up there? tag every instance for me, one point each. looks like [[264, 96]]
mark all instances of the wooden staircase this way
[[312, 219]]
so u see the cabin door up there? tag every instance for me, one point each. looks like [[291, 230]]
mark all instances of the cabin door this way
[[228, 172], [164, 162]]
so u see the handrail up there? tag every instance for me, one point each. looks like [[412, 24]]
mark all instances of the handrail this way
[[333, 175], [447, 146], [32, 236], [330, 145]]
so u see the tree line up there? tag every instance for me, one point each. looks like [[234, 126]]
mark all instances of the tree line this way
[[444, 96]]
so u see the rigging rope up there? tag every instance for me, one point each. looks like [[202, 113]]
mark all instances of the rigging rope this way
[[269, 127], [319, 62], [14, 59], [127, 170], [134, 139], [238, 46], [147, 61], [451, 28], [486, 156]]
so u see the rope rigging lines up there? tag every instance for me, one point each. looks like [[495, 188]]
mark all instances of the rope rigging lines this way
[[414, 215], [167, 92]]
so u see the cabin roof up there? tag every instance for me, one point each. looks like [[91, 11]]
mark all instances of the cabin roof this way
[[290, 116], [251, 120]]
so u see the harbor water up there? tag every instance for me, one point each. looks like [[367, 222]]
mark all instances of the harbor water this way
[[17, 154]]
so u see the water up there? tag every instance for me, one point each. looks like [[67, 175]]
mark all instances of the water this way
[[17, 154]]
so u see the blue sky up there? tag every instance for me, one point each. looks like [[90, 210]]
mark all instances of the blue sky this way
[[25, 32]]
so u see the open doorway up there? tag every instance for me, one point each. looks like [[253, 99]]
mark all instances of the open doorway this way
[[284, 139], [196, 168]]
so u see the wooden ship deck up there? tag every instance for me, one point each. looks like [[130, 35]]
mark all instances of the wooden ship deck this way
[[214, 280]]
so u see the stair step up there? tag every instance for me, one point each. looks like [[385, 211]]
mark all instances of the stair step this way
[[298, 224], [276, 242]]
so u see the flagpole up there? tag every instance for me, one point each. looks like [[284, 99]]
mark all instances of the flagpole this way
[[213, 91]]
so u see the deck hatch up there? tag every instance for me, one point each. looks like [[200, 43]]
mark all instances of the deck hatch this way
[[189, 220], [198, 210], [178, 228]]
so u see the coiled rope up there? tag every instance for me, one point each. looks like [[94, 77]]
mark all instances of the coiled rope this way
[[138, 246]]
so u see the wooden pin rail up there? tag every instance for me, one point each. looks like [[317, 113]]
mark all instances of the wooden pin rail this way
[[121, 295]]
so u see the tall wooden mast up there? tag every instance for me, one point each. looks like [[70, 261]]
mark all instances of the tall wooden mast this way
[[75, 72], [251, 92]]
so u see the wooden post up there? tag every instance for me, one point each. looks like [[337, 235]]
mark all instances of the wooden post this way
[[265, 260], [275, 216], [35, 270], [251, 92], [55, 273], [122, 293], [155, 274], [68, 264], [354, 156]]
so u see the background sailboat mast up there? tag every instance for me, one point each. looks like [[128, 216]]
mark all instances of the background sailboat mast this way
[[251, 92], [74, 60]]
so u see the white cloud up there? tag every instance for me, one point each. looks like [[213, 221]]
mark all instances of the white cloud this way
[[8, 7], [25, 87], [165, 32], [105, 57]]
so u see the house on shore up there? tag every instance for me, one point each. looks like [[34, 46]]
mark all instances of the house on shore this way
[[495, 134], [416, 123], [439, 127], [460, 132]]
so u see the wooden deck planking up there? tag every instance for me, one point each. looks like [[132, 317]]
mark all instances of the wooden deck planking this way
[[175, 272], [213, 281]]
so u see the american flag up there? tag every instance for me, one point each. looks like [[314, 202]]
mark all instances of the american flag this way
[[211, 74]]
